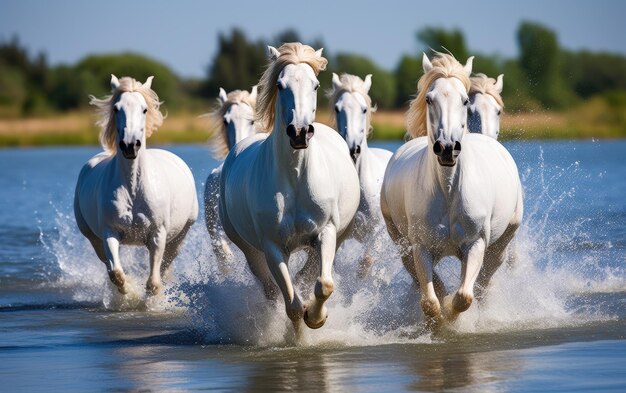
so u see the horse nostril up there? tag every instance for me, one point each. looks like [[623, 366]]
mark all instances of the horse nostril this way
[[457, 146], [438, 148], [358, 149], [138, 143], [310, 131]]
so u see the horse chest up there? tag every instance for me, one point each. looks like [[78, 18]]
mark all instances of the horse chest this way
[[131, 217], [299, 219]]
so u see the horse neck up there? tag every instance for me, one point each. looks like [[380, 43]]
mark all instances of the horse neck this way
[[287, 160], [131, 171], [365, 166], [444, 177]]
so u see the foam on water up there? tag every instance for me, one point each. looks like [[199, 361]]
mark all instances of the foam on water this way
[[383, 308]]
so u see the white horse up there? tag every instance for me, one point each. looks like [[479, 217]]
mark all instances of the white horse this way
[[439, 200], [293, 188], [485, 106], [136, 195], [353, 112], [234, 120]]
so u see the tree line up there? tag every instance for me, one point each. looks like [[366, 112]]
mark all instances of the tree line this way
[[543, 76]]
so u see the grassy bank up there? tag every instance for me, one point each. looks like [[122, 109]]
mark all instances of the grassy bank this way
[[596, 118]]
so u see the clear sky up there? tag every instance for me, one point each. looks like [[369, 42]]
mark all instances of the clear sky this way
[[183, 33]]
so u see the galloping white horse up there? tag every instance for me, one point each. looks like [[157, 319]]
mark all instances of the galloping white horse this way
[[235, 119], [353, 111], [439, 200], [293, 188], [129, 194], [485, 106]]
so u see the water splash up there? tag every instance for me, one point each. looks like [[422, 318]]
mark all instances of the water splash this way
[[558, 259]]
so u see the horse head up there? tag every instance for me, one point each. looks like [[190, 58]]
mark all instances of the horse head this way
[[238, 114], [483, 112], [131, 110], [353, 108], [447, 101]]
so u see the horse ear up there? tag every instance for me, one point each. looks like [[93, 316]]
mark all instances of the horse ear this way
[[426, 64], [499, 83], [272, 53], [336, 82], [115, 83], [468, 65], [253, 92], [222, 96], [148, 83], [367, 84], [318, 52]]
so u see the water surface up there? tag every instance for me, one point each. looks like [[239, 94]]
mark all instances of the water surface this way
[[555, 322]]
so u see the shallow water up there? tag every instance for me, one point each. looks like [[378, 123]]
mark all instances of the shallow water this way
[[554, 322]]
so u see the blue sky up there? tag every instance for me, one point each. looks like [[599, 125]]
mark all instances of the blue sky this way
[[183, 34]]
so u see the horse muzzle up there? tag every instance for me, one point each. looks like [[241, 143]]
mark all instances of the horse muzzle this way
[[299, 137], [129, 151], [355, 152], [447, 153]]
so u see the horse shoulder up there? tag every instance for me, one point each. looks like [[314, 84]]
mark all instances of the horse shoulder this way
[[174, 186], [491, 186], [406, 186]]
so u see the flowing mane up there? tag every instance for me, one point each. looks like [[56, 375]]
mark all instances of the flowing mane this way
[[104, 107], [218, 141], [481, 83], [352, 84], [444, 66], [290, 53]]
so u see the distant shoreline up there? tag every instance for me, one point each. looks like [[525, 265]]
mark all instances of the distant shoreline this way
[[78, 128]]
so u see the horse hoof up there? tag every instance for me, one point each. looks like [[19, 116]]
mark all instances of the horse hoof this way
[[153, 290], [118, 279], [312, 325]]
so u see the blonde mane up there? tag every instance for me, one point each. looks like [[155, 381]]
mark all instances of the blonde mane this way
[[352, 84], [481, 83], [444, 66], [104, 108], [218, 141], [290, 53]]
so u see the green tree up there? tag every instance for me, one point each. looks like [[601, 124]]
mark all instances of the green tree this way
[[407, 74], [591, 73], [443, 40], [95, 72], [33, 75], [383, 90], [540, 59], [238, 64]]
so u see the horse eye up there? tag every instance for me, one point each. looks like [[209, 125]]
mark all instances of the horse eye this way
[[429, 100], [145, 111], [317, 86], [466, 101], [364, 110], [251, 122], [499, 112]]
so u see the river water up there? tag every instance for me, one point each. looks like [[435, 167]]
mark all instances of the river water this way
[[554, 322]]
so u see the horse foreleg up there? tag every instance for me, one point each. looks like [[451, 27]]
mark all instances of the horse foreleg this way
[[114, 267], [316, 313], [471, 264], [156, 247], [219, 241], [277, 263], [423, 270], [374, 245]]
